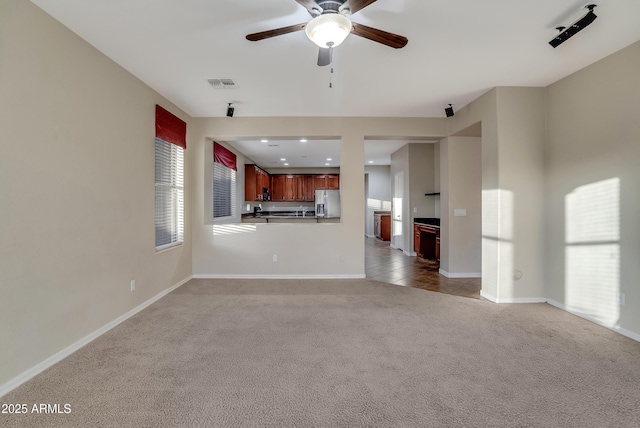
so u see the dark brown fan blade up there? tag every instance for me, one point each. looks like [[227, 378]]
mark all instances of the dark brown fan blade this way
[[276, 32], [310, 5], [389, 39], [355, 5], [324, 57]]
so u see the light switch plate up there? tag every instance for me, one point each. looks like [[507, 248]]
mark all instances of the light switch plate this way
[[459, 212]]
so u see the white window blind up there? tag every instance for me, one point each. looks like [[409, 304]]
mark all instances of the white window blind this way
[[169, 194], [224, 192]]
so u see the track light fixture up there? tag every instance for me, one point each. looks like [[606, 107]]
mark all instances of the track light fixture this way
[[230, 110], [449, 110], [566, 33]]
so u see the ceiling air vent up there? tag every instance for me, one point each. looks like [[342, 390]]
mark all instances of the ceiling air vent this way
[[222, 83]]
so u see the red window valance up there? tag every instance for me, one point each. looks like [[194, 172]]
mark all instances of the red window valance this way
[[224, 156], [170, 128]]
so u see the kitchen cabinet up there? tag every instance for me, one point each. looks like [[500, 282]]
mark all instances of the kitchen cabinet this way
[[426, 241], [255, 180], [277, 186], [299, 180], [290, 188], [382, 226], [305, 190], [301, 188], [309, 193], [266, 181], [327, 182]]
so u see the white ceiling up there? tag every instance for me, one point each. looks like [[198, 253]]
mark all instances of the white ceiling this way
[[268, 153], [296, 154], [457, 50]]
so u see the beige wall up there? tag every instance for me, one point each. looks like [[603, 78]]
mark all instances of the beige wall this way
[[416, 162], [484, 110], [379, 193], [460, 181], [400, 232], [513, 175], [521, 166], [593, 192], [77, 190], [303, 250], [421, 181]]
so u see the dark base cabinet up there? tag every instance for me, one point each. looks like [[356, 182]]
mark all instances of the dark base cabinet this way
[[382, 226], [426, 241]]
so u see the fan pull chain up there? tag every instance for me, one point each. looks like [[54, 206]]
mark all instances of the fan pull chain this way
[[331, 78]]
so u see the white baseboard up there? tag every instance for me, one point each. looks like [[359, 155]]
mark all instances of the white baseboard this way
[[410, 253], [369, 236], [242, 276], [512, 299], [628, 333], [459, 275], [522, 300], [488, 296], [394, 247], [59, 356]]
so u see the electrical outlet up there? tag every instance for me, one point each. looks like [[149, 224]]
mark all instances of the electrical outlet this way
[[275, 257], [621, 298], [415, 209], [133, 284]]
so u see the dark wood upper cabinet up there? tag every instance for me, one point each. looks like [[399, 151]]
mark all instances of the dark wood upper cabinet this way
[[333, 182], [327, 182], [290, 188], [301, 188], [255, 181], [277, 187], [309, 192]]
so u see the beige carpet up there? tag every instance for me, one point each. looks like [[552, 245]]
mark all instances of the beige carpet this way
[[350, 353]]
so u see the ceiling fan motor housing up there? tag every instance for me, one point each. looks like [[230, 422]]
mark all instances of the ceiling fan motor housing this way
[[330, 6]]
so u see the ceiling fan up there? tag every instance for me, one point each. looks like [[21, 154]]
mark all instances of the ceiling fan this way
[[330, 25]]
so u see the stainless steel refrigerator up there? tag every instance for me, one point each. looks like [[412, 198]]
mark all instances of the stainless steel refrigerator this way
[[328, 203]]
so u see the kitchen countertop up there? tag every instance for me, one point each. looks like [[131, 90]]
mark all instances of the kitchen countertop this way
[[276, 217], [428, 221]]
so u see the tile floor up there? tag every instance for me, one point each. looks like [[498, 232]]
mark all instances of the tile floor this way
[[382, 263]]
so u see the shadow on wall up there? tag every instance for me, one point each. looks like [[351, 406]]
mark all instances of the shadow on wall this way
[[497, 243], [592, 251]]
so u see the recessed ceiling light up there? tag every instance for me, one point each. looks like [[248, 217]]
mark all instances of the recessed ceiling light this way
[[303, 140], [370, 161], [329, 159], [264, 141], [286, 164], [327, 164], [283, 159]]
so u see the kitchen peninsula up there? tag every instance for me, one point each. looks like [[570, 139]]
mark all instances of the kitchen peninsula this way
[[287, 216]]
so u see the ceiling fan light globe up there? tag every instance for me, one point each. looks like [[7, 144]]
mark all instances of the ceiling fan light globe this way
[[328, 28]]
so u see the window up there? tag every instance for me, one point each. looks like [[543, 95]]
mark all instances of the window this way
[[224, 182], [224, 191], [169, 194]]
